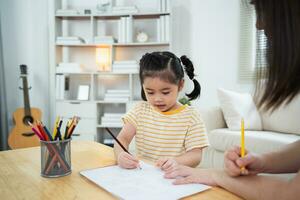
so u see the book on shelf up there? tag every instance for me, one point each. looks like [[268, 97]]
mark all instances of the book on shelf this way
[[158, 30], [104, 39], [116, 95], [114, 115], [124, 9], [112, 124], [68, 68], [123, 62], [67, 12], [69, 40], [110, 120], [126, 66], [125, 69], [109, 142], [60, 87], [122, 30], [129, 27], [116, 99], [163, 28], [114, 91], [167, 28], [125, 30]]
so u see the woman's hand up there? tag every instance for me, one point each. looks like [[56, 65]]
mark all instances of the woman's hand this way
[[186, 175], [233, 163], [127, 161]]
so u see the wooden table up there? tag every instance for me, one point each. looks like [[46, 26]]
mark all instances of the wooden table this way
[[20, 176]]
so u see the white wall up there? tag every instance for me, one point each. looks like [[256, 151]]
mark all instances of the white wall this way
[[207, 31], [25, 41]]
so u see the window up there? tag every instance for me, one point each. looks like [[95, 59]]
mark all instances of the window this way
[[252, 44]]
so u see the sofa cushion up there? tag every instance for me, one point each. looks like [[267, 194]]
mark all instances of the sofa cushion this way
[[255, 141], [285, 119], [213, 118], [236, 106]]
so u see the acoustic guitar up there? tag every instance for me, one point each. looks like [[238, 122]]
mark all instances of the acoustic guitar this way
[[21, 135]]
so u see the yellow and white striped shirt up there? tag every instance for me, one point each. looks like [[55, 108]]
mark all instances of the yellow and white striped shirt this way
[[166, 134]]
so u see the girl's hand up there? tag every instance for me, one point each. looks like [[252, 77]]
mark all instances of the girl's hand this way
[[127, 161], [167, 164], [233, 163], [186, 175]]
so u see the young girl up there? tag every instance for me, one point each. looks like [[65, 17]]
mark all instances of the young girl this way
[[167, 132]]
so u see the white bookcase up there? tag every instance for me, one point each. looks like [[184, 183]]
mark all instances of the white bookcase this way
[[77, 31]]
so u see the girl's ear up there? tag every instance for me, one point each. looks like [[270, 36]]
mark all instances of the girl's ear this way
[[180, 85]]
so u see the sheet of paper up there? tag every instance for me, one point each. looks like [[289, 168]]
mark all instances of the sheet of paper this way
[[136, 184]]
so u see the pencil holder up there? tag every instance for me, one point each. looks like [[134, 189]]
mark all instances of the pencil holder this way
[[55, 158]]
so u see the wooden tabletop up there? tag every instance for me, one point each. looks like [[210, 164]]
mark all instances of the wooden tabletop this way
[[20, 175]]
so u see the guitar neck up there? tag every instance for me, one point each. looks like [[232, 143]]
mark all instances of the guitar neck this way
[[26, 97]]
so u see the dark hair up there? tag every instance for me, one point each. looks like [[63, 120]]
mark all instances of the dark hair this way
[[281, 23], [167, 66]]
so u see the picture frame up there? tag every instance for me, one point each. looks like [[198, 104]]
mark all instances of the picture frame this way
[[83, 92]]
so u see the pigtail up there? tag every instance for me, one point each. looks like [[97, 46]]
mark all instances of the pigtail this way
[[189, 69]]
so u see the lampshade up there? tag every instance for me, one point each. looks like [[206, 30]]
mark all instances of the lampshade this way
[[103, 58]]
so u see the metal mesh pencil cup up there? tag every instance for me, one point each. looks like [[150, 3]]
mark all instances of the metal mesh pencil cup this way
[[55, 158]]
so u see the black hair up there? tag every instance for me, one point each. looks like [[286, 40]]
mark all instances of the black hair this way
[[281, 23], [167, 66]]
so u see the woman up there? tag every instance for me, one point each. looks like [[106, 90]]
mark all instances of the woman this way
[[280, 21]]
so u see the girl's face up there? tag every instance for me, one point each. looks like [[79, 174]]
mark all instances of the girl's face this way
[[162, 94]]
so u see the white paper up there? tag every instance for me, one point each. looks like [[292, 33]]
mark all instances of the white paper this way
[[136, 184]]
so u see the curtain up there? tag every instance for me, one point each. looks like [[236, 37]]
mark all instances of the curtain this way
[[3, 105], [247, 51]]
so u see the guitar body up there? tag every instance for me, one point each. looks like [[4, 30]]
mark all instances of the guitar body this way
[[21, 135]]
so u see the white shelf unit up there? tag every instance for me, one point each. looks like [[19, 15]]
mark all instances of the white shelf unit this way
[[102, 109]]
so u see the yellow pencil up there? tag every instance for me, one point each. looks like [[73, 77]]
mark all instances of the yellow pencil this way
[[55, 127], [242, 140]]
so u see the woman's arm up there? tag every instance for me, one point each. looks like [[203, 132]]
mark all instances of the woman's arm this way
[[285, 160], [248, 187], [259, 187]]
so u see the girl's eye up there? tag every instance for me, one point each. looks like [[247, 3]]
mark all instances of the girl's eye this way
[[150, 93], [165, 93]]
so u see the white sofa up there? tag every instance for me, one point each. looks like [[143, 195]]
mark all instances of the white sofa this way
[[221, 138]]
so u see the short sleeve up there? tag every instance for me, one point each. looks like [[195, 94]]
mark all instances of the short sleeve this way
[[132, 115], [196, 136]]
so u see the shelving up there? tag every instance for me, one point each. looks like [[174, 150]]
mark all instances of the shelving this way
[[121, 44], [74, 38]]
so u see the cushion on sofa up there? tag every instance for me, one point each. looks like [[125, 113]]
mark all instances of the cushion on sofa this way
[[285, 119], [236, 106], [255, 141]]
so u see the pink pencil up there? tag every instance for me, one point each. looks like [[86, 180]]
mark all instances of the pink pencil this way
[[36, 131]]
